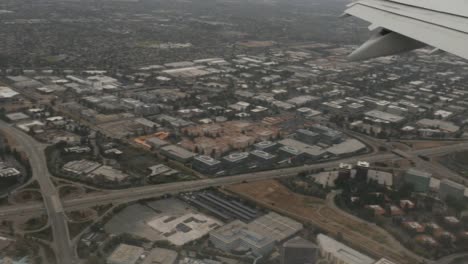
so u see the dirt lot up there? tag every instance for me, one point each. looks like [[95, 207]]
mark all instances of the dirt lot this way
[[416, 145], [360, 235]]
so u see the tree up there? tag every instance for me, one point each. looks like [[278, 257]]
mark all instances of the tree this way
[[457, 204], [95, 260]]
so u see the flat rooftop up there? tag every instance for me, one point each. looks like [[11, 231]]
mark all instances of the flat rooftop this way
[[6, 92], [377, 114], [178, 151], [125, 254], [302, 147], [207, 160], [342, 252], [180, 230]]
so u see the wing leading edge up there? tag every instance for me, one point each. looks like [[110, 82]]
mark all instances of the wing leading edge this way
[[400, 27]]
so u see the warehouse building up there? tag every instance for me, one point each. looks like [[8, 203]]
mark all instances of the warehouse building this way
[[80, 167], [180, 230], [258, 236], [7, 94], [161, 256], [237, 238], [301, 151], [384, 261], [350, 146], [9, 172], [156, 143], [125, 254], [109, 174], [385, 117], [177, 153], [338, 253]]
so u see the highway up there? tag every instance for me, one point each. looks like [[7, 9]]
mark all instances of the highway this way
[[56, 208], [154, 191], [35, 152]]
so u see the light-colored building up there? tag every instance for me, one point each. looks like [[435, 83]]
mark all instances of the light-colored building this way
[[125, 254], [177, 153], [180, 230], [258, 236], [109, 173], [161, 256], [384, 261], [80, 167], [449, 188], [384, 116], [338, 253], [237, 237], [7, 93]]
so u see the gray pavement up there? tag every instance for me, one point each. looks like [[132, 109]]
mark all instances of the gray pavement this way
[[35, 152], [53, 205]]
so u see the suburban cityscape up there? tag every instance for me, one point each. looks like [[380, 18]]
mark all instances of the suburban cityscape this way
[[224, 132]]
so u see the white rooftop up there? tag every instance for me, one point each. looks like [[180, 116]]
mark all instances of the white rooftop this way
[[6, 92], [342, 252]]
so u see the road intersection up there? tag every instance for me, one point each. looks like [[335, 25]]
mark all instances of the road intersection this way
[[56, 208]]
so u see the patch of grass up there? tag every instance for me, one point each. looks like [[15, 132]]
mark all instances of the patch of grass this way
[[76, 228], [45, 234]]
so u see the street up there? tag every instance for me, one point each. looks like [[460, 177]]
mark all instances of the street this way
[[35, 152]]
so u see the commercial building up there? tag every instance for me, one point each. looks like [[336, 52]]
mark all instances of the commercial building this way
[[345, 170], [236, 237], [109, 174], [338, 253], [235, 159], [206, 164], [9, 173], [419, 179], [258, 236], [362, 170], [125, 254], [291, 153], [297, 148], [450, 188], [349, 146], [384, 117], [156, 143], [263, 159], [327, 135], [15, 117], [438, 126], [299, 251], [177, 153], [180, 230], [384, 261], [7, 94], [303, 100], [277, 226], [160, 169], [161, 256], [80, 167], [267, 146], [307, 136]]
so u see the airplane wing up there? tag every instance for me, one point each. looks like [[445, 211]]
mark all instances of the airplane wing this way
[[403, 25]]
